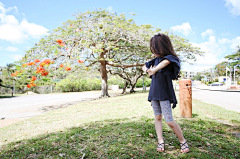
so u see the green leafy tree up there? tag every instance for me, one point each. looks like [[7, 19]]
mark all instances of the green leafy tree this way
[[198, 77], [10, 68], [234, 61], [235, 57], [101, 38], [182, 47]]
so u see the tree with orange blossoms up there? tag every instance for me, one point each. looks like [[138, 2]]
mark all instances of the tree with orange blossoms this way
[[36, 60], [29, 85], [80, 61], [103, 38], [67, 68], [34, 78]]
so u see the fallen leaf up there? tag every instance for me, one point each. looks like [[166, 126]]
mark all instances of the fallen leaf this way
[[151, 135]]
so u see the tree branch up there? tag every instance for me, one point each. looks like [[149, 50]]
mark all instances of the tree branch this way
[[123, 65]]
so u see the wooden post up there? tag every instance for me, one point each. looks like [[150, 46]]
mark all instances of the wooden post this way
[[185, 93]]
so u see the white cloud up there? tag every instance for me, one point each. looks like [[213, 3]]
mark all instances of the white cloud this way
[[195, 68], [16, 56], [215, 50], [33, 29], [185, 28], [109, 8], [11, 48], [234, 43], [234, 6], [4, 10], [207, 32], [13, 31], [224, 41]]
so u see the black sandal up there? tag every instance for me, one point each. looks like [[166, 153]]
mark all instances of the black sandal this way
[[183, 147], [160, 147]]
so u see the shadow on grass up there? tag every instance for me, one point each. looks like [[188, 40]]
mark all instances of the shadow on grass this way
[[194, 115], [128, 138]]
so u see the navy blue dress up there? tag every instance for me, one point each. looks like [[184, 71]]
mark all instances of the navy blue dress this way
[[161, 86]]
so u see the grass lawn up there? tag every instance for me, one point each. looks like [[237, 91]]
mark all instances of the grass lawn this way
[[121, 127]]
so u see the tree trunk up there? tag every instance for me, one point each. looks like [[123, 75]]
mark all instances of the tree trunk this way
[[125, 87], [132, 84], [104, 77], [132, 88]]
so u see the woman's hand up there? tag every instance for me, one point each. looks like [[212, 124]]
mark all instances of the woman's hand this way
[[151, 71], [144, 68]]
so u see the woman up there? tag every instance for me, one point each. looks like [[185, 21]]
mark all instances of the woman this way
[[163, 69]]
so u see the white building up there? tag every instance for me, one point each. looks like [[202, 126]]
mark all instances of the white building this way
[[188, 74]]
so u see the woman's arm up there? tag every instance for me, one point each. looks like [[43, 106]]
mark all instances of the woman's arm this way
[[144, 68], [152, 70]]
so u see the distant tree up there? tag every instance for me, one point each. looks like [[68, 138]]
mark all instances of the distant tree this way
[[10, 68], [198, 77], [209, 74], [234, 60], [130, 75], [235, 57], [220, 69]]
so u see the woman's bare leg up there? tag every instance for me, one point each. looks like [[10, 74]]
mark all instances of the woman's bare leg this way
[[177, 130], [167, 112], [158, 127]]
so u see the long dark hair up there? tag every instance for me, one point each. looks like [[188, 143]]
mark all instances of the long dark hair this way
[[161, 45]]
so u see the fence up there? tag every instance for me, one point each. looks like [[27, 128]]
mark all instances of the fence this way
[[6, 91], [38, 90], [46, 89]]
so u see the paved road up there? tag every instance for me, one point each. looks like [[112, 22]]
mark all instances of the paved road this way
[[27, 106], [31, 105], [227, 100]]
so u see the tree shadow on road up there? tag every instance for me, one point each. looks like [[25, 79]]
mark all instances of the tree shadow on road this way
[[6, 96]]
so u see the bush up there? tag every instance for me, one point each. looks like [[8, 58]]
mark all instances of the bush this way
[[209, 82], [78, 84], [147, 82], [216, 80], [73, 84], [116, 81]]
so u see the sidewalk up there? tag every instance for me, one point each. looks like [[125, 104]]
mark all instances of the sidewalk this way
[[215, 88]]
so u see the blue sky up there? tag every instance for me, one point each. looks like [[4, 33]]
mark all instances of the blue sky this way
[[211, 25]]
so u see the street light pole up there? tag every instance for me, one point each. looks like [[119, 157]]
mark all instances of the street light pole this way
[[1, 79], [14, 87]]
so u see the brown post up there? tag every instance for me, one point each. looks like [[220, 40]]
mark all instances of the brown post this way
[[185, 93]]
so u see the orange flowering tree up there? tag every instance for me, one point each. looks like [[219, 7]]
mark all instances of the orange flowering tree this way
[[220, 69], [94, 38]]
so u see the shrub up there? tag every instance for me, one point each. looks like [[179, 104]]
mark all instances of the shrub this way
[[116, 81], [74, 84], [147, 82]]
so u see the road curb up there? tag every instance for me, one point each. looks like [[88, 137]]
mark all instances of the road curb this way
[[218, 90]]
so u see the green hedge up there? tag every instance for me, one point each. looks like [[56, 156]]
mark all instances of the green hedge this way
[[121, 82], [116, 81], [147, 82], [76, 84], [73, 84]]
